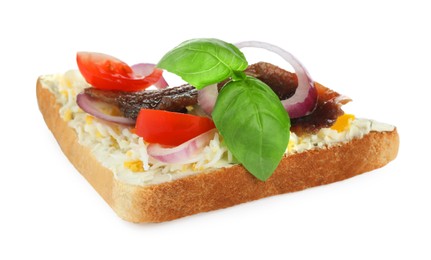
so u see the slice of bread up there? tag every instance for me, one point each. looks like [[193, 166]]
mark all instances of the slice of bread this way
[[218, 188]]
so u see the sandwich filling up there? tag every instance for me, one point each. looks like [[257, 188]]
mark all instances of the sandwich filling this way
[[117, 148]]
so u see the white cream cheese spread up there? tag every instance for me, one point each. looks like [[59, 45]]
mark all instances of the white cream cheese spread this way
[[125, 153]]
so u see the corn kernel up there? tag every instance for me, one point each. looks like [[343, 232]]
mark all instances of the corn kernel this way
[[99, 134], [184, 168], [89, 119], [68, 115], [343, 122], [134, 166], [196, 168], [290, 146], [68, 82], [65, 93]]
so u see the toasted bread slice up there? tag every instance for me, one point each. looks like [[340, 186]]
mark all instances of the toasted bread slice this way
[[218, 188]]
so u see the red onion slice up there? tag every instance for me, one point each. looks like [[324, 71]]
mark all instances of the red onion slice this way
[[304, 101], [207, 98], [145, 69], [94, 108], [183, 152]]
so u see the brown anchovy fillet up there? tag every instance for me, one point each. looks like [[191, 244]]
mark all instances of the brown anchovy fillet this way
[[174, 99], [283, 82]]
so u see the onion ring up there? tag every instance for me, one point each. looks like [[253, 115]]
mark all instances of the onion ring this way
[[94, 108], [207, 98], [304, 101], [183, 152], [145, 69]]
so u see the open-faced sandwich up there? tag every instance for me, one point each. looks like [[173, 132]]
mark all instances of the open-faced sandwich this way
[[233, 133]]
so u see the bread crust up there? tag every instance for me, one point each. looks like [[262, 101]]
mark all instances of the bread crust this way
[[219, 188]]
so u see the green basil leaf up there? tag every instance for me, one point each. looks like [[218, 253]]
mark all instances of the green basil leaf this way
[[202, 62], [254, 125]]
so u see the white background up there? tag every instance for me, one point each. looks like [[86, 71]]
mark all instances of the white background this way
[[377, 52]]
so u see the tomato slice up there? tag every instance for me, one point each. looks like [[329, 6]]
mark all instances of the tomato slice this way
[[106, 72], [170, 128]]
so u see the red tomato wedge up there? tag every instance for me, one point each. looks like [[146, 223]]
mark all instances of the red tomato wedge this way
[[170, 128], [106, 72]]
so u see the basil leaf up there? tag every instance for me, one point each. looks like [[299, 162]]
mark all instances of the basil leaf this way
[[254, 125], [202, 62]]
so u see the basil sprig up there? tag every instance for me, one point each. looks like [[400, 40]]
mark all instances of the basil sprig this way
[[248, 114]]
